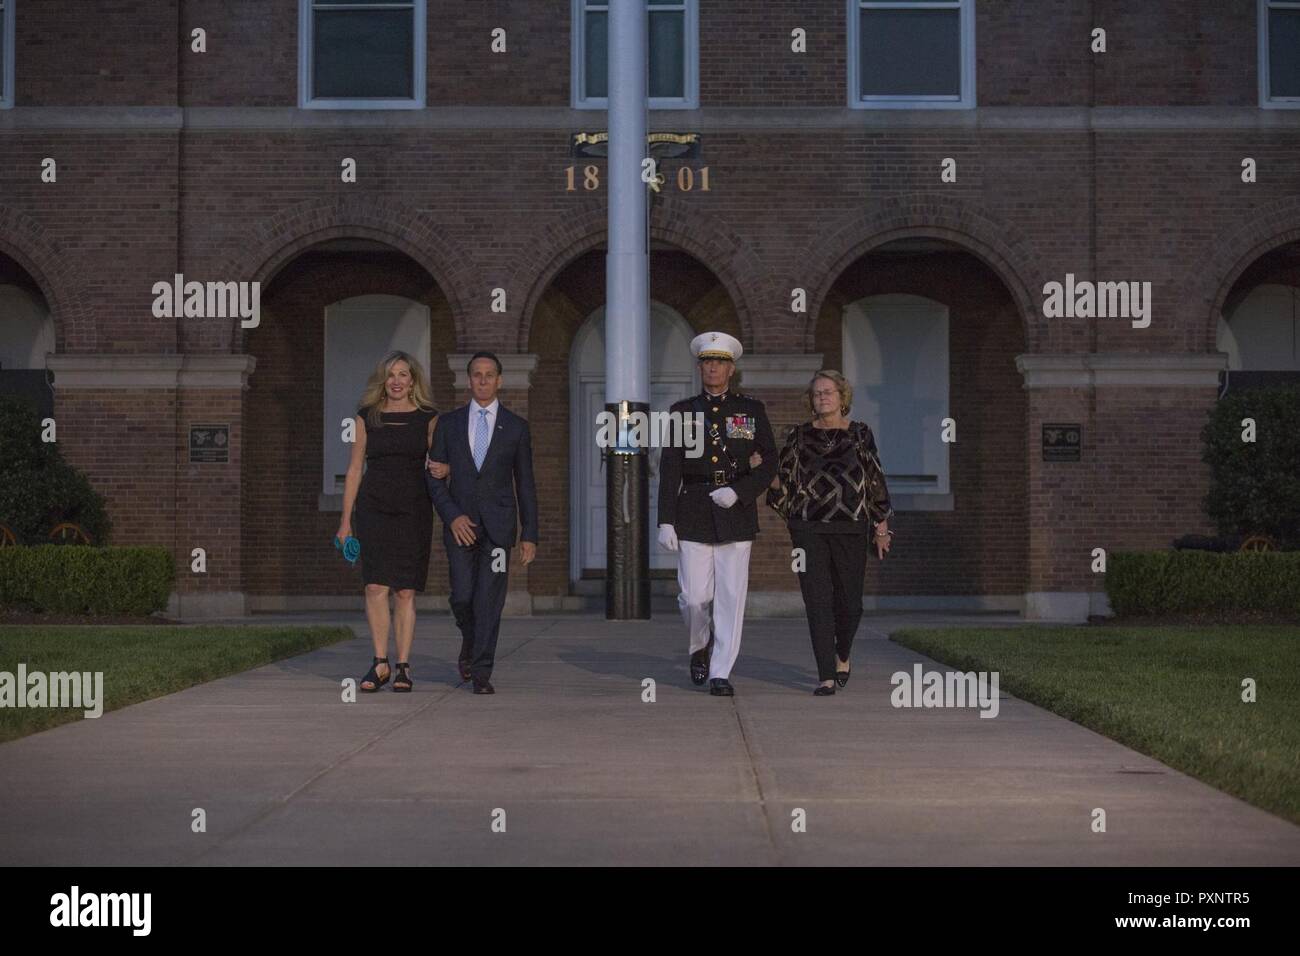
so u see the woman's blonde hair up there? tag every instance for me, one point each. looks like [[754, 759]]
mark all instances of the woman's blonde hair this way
[[372, 400], [841, 383]]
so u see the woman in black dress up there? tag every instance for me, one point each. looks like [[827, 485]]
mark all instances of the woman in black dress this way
[[830, 488], [394, 517]]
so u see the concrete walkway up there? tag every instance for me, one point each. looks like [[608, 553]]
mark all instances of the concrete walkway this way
[[586, 773]]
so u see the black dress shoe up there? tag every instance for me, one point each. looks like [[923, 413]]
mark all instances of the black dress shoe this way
[[823, 691], [463, 668], [699, 667], [484, 687], [842, 677], [721, 687]]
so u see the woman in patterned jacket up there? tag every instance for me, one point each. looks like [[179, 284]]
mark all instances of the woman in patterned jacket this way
[[830, 488]]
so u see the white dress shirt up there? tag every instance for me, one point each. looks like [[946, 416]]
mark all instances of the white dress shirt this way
[[474, 408]]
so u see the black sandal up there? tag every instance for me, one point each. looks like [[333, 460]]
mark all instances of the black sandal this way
[[402, 682], [372, 676]]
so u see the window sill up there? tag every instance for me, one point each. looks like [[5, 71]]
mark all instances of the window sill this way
[[921, 502]]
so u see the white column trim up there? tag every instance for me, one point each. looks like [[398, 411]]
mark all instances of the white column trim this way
[[1126, 369], [108, 370], [516, 369], [778, 369]]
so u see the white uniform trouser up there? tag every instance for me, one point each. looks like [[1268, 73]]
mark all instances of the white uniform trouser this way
[[714, 579]]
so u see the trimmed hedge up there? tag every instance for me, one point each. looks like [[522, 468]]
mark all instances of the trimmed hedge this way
[[1172, 582], [66, 579]]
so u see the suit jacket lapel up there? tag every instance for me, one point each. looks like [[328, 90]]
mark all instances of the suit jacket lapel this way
[[461, 434]]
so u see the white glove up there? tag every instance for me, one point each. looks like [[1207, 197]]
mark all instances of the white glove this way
[[726, 497], [667, 537]]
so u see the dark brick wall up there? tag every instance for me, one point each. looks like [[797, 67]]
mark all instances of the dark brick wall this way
[[97, 52], [471, 210]]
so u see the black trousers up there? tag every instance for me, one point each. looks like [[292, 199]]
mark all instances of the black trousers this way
[[832, 592], [478, 593]]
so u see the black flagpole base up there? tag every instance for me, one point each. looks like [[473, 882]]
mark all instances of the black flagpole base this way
[[627, 527]]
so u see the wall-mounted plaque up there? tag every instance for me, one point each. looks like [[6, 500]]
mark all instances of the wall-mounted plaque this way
[[209, 444], [660, 145], [1062, 442]]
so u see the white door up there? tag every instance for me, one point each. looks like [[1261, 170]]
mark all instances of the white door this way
[[672, 378]]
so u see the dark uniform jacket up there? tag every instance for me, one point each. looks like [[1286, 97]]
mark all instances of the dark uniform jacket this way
[[735, 426]]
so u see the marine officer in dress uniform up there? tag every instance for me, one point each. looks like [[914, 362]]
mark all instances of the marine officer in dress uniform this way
[[708, 509]]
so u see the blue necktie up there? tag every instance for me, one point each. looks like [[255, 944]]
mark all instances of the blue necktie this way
[[480, 439]]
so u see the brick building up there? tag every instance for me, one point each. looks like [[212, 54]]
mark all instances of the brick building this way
[[892, 200]]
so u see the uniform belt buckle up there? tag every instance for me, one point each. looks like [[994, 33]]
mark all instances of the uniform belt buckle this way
[[720, 477]]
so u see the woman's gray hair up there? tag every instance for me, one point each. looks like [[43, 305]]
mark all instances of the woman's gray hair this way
[[841, 383]]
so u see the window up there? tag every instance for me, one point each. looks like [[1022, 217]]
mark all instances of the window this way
[[911, 54], [1261, 335], [1279, 54], [896, 359], [673, 82], [359, 332], [6, 53], [361, 54]]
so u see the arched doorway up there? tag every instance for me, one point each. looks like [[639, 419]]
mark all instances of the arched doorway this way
[[26, 338], [329, 315], [1259, 326], [673, 376], [927, 331]]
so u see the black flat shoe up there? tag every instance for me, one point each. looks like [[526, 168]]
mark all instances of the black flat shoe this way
[[823, 691], [842, 677], [699, 667], [462, 666], [372, 676], [484, 687], [402, 683], [721, 687]]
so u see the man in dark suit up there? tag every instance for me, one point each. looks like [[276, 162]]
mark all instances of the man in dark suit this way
[[708, 510], [484, 452]]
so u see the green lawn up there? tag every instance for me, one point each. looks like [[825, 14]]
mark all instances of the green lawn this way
[[1173, 693], [140, 663]]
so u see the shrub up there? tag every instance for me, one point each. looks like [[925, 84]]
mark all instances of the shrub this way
[[85, 580], [1174, 582], [38, 489], [1255, 486]]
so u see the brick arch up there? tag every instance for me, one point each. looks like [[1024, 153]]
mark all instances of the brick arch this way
[[708, 240], [25, 241], [275, 242], [1001, 246], [1258, 233]]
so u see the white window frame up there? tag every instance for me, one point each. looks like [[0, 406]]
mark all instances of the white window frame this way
[[905, 495], [691, 57], [965, 101], [1265, 101], [7, 41], [380, 305], [306, 26]]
